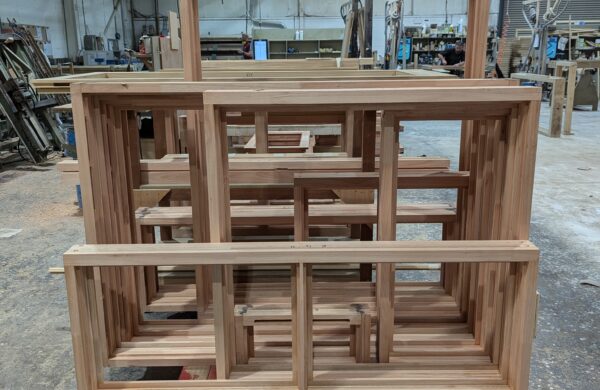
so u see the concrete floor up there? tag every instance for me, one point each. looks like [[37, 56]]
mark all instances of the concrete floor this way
[[35, 343]]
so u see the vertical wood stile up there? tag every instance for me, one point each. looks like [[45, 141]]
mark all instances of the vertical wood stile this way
[[217, 178], [386, 231], [192, 71], [302, 344], [261, 124]]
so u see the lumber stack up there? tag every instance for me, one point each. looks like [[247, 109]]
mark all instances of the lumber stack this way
[[276, 304]]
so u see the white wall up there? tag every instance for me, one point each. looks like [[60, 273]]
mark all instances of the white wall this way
[[92, 18], [226, 17], [47, 13], [50, 13]]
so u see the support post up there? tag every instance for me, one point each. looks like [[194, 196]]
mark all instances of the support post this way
[[192, 71], [261, 124], [386, 231], [302, 345]]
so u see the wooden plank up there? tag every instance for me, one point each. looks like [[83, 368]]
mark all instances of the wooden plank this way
[[328, 214], [571, 68], [348, 133], [262, 131], [523, 325], [387, 204], [190, 40], [291, 253], [558, 98], [220, 231], [478, 13], [179, 88], [174, 31], [369, 97], [558, 101], [370, 180], [86, 368]]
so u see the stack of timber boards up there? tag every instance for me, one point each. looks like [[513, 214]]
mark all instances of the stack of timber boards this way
[[472, 329]]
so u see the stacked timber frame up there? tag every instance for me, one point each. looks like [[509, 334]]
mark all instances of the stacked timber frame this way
[[482, 336]]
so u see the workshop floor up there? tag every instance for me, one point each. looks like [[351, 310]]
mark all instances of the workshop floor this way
[[35, 342]]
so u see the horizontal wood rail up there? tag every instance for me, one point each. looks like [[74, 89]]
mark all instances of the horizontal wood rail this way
[[150, 87], [263, 170], [367, 96], [370, 180], [300, 253], [82, 261], [114, 79], [558, 98], [325, 214], [269, 162]]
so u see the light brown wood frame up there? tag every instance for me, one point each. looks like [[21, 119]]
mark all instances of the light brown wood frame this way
[[173, 172], [81, 262], [503, 112], [167, 139], [307, 185], [58, 85], [571, 78], [316, 185], [492, 109], [557, 100], [278, 141]]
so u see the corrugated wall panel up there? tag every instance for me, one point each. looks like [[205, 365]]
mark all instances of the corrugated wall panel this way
[[577, 9]]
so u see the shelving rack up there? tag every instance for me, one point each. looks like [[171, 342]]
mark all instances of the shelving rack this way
[[316, 43], [221, 48], [426, 47]]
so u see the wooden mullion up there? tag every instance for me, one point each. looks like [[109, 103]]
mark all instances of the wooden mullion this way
[[348, 129], [160, 136], [101, 217], [368, 141], [161, 149], [86, 128], [123, 214], [222, 350], [488, 272], [302, 298], [366, 126], [261, 125], [357, 134], [83, 124], [97, 305], [220, 231], [529, 139], [523, 325], [484, 206], [477, 26], [501, 269], [88, 370], [190, 40], [198, 163], [478, 14], [112, 228], [171, 132], [106, 221], [386, 231]]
